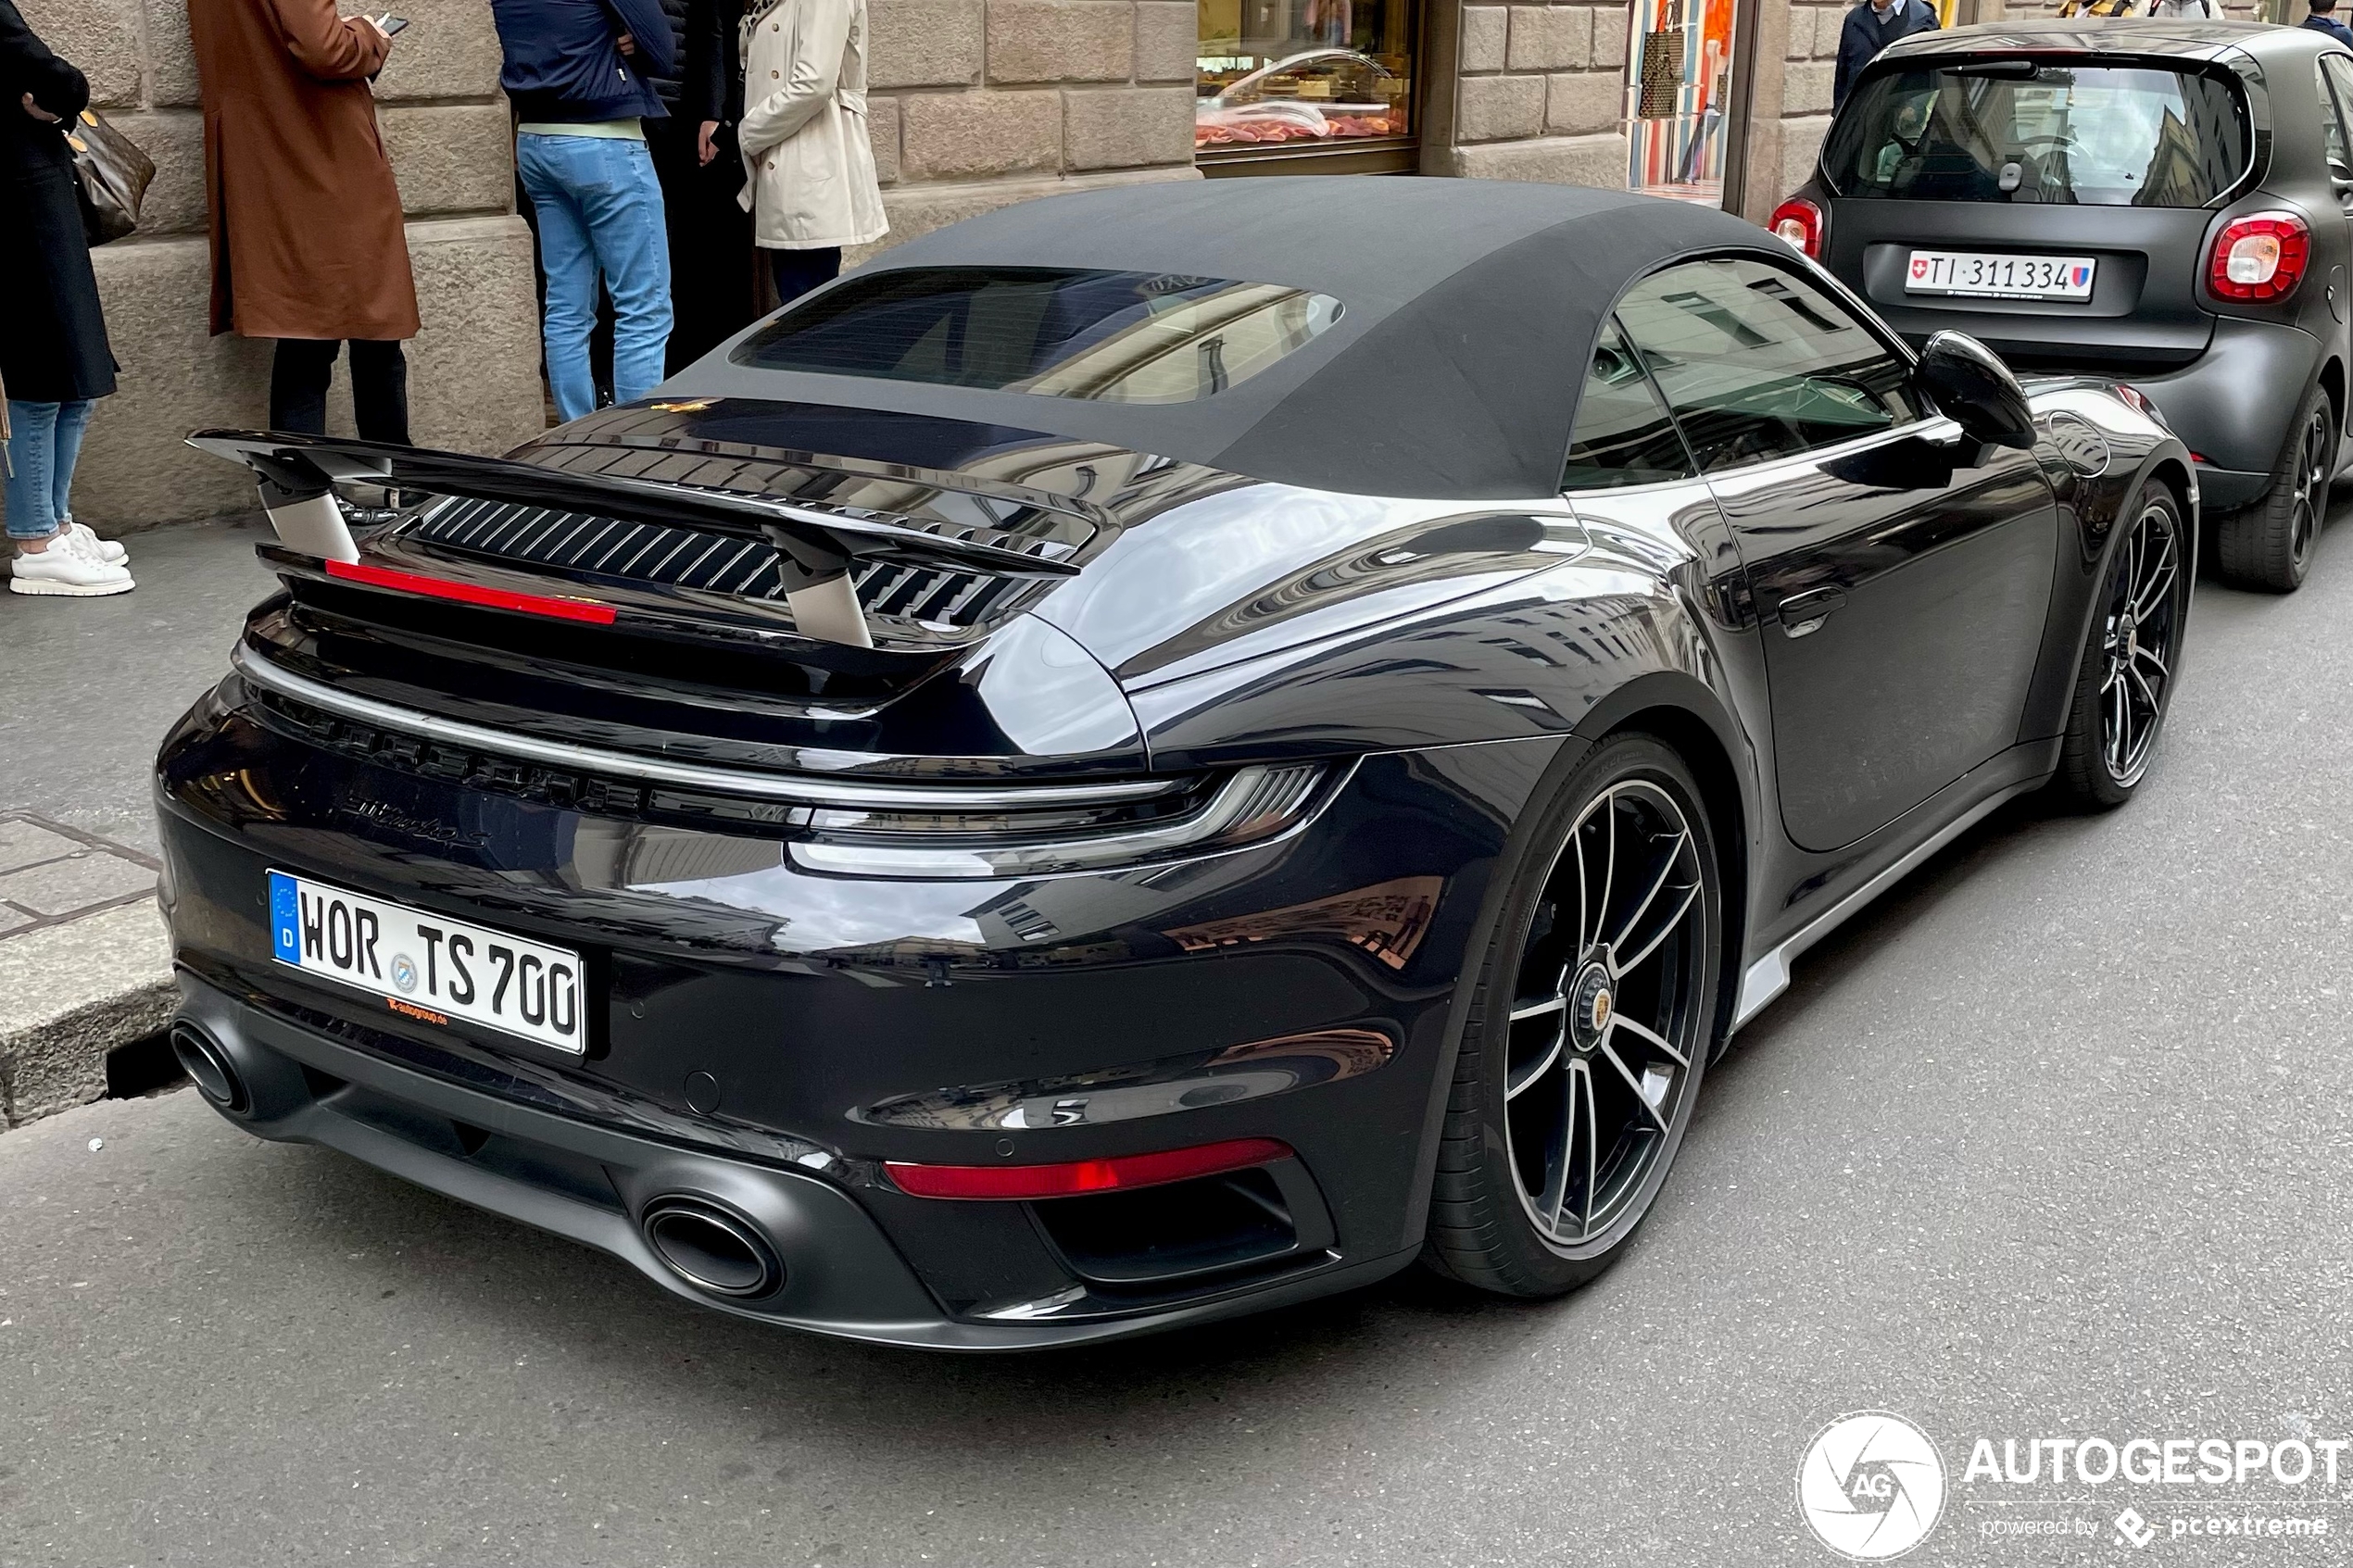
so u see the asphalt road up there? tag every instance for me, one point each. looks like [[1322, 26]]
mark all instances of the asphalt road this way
[[2057, 1141]]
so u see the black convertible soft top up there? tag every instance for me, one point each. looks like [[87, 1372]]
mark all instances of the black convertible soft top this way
[[1469, 311]]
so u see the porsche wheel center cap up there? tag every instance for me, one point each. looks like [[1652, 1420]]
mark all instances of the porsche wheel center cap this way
[[1589, 1004]]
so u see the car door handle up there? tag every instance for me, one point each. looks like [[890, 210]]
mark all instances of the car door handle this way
[[1803, 614]]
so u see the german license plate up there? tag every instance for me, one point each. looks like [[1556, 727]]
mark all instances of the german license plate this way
[[424, 965], [2000, 277]]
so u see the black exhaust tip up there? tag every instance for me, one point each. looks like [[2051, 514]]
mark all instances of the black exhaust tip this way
[[215, 1074], [710, 1248]]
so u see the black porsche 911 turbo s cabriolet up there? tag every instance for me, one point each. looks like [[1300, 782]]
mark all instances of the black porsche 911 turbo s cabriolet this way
[[1113, 768]]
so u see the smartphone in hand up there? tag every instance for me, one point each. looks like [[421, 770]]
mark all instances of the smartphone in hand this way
[[390, 23]]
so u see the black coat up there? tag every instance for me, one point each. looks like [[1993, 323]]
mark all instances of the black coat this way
[[709, 83], [53, 336], [1865, 35]]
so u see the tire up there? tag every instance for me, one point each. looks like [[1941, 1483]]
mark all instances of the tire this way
[[1519, 1207], [2268, 546], [2125, 680]]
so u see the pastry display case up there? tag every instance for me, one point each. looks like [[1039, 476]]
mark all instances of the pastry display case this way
[[1312, 83]]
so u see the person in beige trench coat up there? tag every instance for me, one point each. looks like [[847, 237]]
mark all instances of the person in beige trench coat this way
[[812, 188], [307, 246]]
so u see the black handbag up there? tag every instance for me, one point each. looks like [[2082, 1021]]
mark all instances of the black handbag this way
[[1662, 78], [113, 175]]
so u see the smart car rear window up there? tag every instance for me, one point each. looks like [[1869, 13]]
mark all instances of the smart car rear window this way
[[2029, 131], [1106, 337]]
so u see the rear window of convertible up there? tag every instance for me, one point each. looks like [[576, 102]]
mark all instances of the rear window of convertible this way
[[1106, 337], [2026, 132]]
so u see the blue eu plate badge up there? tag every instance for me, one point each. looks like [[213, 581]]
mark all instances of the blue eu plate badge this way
[[286, 917]]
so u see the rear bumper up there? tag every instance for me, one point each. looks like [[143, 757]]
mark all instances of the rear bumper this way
[[842, 1274], [2231, 409], [771, 1037]]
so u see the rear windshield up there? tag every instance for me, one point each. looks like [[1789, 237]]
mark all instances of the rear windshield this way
[[2022, 131], [1108, 337]]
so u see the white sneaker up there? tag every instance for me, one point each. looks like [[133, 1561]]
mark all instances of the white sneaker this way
[[81, 537], [62, 570]]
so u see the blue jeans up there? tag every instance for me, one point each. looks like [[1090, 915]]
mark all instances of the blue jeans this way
[[44, 442], [599, 210]]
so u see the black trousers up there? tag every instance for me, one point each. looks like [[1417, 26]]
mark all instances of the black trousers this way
[[797, 272], [305, 368], [713, 275]]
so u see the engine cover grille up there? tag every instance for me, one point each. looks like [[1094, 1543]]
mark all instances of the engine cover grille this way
[[718, 563]]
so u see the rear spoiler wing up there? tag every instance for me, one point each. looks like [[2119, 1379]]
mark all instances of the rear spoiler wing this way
[[298, 473]]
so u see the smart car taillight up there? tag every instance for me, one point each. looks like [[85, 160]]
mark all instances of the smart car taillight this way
[[1799, 222], [2259, 258]]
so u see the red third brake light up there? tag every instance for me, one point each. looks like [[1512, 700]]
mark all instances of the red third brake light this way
[[1799, 222], [2259, 258], [1121, 1173], [472, 594]]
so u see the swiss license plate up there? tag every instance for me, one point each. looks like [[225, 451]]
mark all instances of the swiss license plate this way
[[424, 965], [2000, 277]]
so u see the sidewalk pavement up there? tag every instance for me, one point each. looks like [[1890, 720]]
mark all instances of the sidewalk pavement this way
[[93, 683]]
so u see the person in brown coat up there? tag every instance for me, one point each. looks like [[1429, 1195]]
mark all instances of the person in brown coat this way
[[307, 246]]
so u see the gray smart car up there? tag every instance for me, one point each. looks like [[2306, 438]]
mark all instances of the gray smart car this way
[[2160, 202]]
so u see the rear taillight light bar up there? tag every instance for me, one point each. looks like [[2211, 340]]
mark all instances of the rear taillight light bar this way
[[1800, 223], [1120, 1172], [553, 606], [2259, 258]]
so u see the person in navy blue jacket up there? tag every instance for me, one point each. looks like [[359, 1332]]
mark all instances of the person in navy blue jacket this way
[[578, 73], [2323, 20], [1871, 26]]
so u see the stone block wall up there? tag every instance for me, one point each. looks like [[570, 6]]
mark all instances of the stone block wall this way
[[977, 104], [1541, 94], [1807, 65], [473, 373]]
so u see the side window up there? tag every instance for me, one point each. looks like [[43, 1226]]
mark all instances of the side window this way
[[1623, 436], [2338, 71], [1758, 363]]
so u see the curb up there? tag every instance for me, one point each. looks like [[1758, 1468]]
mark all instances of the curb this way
[[69, 994]]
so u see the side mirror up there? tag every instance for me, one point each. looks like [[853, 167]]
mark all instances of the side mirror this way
[[1967, 383]]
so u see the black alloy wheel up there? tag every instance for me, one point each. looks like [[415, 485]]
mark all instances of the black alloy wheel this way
[[1596, 1011], [2126, 681], [2268, 546]]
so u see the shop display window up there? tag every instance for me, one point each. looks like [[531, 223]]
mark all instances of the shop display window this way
[[1279, 77], [1678, 81]]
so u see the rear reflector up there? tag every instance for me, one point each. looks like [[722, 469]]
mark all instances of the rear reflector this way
[[1120, 1174], [472, 593]]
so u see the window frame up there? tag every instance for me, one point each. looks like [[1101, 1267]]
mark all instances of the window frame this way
[[1697, 476], [2244, 81], [2336, 103], [1820, 278]]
